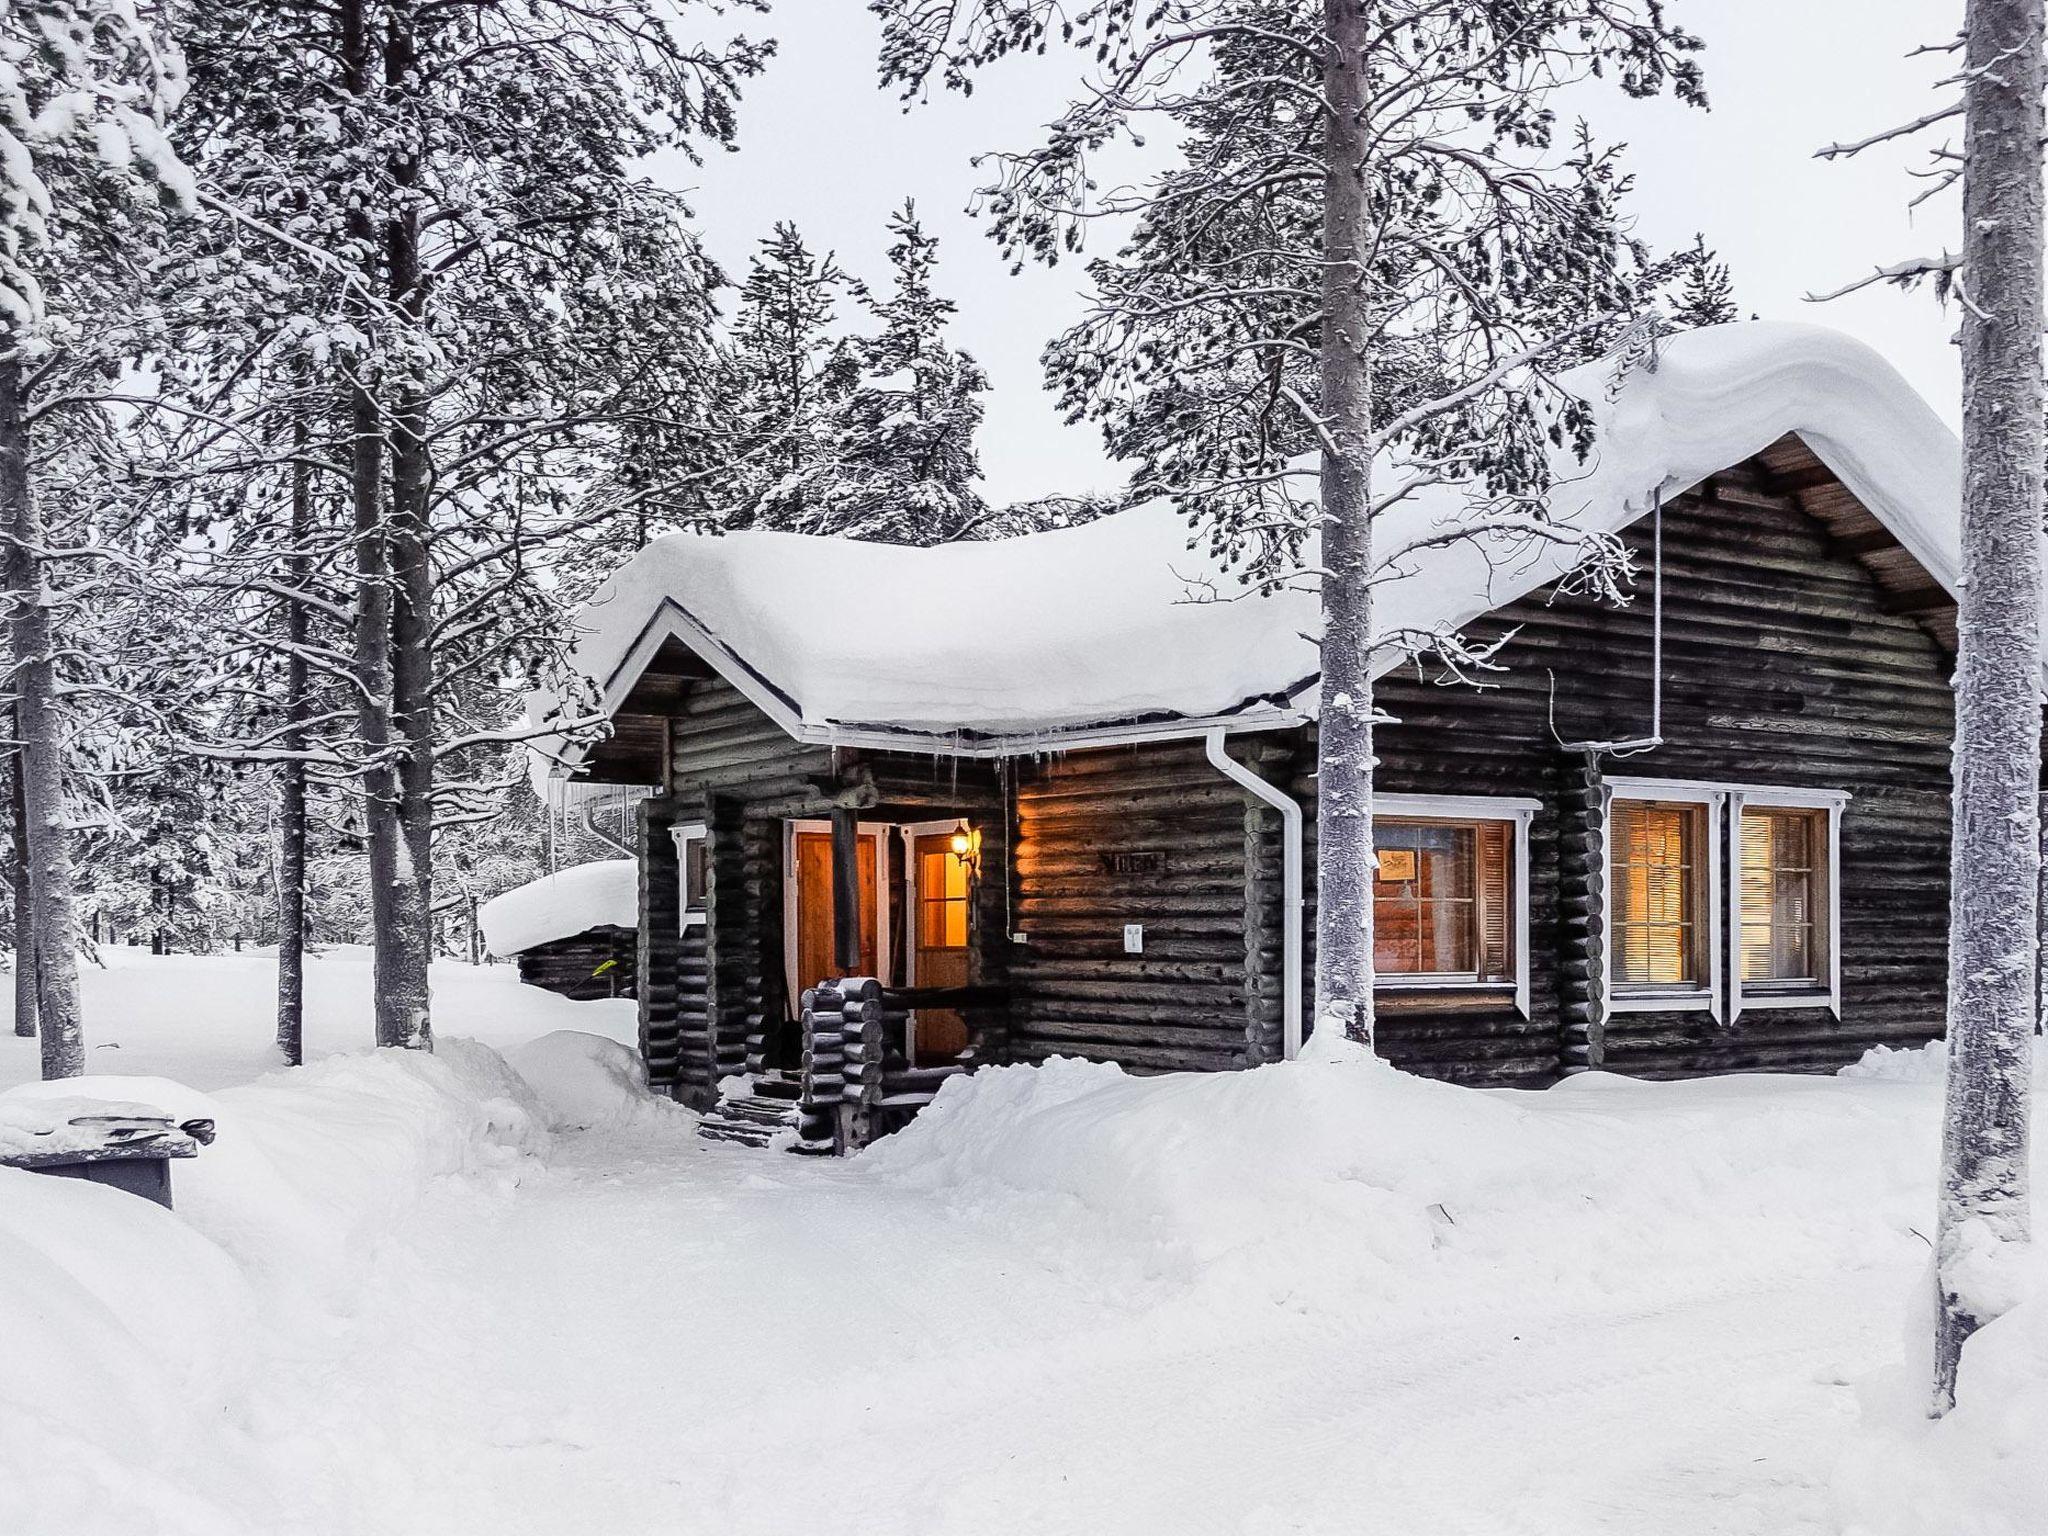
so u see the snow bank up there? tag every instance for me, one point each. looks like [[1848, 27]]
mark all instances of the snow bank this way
[[133, 1333], [586, 1082], [561, 905], [1074, 627], [1981, 1468], [1305, 1183]]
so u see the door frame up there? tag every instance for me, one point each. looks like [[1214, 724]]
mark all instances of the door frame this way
[[877, 830], [912, 831]]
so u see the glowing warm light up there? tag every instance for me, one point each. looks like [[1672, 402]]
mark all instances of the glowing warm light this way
[[962, 841]]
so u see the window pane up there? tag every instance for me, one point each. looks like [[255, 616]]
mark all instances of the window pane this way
[[696, 874], [1427, 918], [1655, 850], [1783, 856]]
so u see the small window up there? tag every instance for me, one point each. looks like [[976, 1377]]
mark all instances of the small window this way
[[1783, 898], [941, 896], [693, 856], [1442, 901], [1657, 887]]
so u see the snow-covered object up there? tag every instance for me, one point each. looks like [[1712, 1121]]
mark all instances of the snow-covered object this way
[[75, 1123], [1980, 1468], [561, 905], [134, 1334], [587, 1082], [1053, 633]]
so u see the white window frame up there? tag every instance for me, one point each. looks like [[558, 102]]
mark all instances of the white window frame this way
[[1832, 801], [877, 830], [1672, 792], [684, 833], [1516, 810]]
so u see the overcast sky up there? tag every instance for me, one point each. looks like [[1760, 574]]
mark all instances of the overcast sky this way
[[824, 147]]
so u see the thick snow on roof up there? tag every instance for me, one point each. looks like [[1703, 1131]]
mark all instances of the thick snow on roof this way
[[561, 905], [1051, 633]]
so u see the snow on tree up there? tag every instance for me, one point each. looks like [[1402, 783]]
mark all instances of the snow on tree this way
[[1371, 247], [899, 465], [85, 87], [513, 343], [788, 375], [1706, 293], [1983, 1208]]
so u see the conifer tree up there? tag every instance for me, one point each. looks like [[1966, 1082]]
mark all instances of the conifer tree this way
[[1371, 246], [85, 170], [1983, 1207], [1706, 293], [902, 465]]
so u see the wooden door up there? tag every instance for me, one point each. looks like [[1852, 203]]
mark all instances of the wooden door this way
[[940, 933], [814, 910]]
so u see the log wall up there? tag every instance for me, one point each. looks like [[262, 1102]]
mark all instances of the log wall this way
[[571, 966], [1151, 835], [1782, 667]]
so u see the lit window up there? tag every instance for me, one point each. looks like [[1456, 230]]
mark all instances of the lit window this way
[[1442, 900], [941, 896], [1783, 897], [1657, 854]]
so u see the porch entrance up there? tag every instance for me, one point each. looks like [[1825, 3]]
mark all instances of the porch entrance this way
[[813, 927], [914, 926]]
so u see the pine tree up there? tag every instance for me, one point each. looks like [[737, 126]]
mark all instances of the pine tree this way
[[514, 352], [1706, 293], [85, 86], [788, 376], [1994, 925], [1984, 1199], [1362, 253], [896, 462]]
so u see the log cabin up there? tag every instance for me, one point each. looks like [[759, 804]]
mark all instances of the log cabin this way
[[921, 809], [574, 931]]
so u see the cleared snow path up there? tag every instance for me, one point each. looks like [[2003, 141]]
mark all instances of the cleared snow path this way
[[659, 1335]]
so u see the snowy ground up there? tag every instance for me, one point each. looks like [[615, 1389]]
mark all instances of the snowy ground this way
[[1309, 1300]]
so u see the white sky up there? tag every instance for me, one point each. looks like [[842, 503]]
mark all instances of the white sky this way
[[824, 147]]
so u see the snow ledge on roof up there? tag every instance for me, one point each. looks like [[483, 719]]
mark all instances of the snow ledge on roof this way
[[1118, 620], [562, 905]]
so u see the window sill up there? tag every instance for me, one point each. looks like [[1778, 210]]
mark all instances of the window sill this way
[[1433, 984], [1659, 1002], [1772, 1002]]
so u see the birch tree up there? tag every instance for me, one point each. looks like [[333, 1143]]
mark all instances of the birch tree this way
[[1373, 248], [1982, 1223]]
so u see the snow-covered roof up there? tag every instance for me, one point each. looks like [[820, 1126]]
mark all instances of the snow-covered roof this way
[[562, 905], [1080, 632]]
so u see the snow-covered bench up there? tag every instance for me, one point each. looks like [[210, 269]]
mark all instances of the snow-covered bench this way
[[122, 1145]]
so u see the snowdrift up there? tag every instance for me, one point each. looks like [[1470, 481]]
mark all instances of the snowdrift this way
[[561, 905], [586, 1082], [134, 1336], [1334, 1179]]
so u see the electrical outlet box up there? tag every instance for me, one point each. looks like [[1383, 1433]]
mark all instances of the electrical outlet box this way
[[1134, 938]]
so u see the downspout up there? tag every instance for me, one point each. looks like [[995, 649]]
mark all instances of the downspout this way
[[1290, 884], [588, 819]]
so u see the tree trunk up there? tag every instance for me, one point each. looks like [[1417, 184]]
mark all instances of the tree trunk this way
[[403, 1018], [53, 930], [1344, 751], [25, 981], [291, 810], [1993, 937]]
